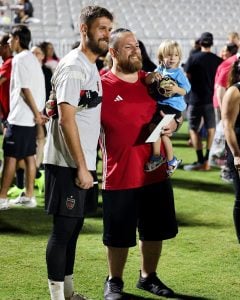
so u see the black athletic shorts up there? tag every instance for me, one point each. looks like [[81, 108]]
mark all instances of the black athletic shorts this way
[[196, 113], [63, 197], [150, 209], [19, 141]]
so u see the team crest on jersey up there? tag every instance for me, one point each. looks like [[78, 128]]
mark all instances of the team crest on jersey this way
[[70, 203], [89, 99]]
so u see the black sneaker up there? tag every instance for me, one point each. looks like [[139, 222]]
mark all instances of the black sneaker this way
[[154, 285], [113, 289]]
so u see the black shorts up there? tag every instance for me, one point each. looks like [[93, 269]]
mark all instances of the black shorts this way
[[167, 109], [150, 209], [63, 197], [196, 113], [19, 141]]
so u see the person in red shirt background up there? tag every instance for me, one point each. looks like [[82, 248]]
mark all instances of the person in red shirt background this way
[[5, 73]]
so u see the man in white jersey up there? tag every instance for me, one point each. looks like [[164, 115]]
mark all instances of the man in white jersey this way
[[27, 99], [70, 151]]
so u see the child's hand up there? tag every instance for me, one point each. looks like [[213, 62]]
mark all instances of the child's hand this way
[[152, 77], [172, 88]]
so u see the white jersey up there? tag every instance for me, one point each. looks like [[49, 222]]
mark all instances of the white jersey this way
[[26, 73], [77, 82]]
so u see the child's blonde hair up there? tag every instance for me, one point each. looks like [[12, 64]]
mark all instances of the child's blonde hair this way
[[167, 47]]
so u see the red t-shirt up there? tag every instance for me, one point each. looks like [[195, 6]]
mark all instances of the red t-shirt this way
[[5, 71], [126, 112], [221, 76]]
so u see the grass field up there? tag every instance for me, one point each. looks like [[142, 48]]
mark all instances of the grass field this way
[[202, 262]]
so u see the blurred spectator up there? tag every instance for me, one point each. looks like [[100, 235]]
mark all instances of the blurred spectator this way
[[147, 64], [228, 50], [5, 74], [24, 11], [50, 60], [233, 37], [201, 69], [107, 64], [37, 51]]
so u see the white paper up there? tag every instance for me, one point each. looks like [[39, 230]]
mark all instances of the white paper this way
[[154, 136]]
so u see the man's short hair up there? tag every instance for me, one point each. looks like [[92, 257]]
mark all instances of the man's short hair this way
[[90, 13], [24, 35], [115, 35]]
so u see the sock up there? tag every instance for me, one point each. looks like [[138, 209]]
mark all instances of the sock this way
[[38, 173], [200, 156], [207, 154], [20, 178], [56, 289], [68, 286]]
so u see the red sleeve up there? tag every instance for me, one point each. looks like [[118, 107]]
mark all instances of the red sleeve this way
[[5, 70]]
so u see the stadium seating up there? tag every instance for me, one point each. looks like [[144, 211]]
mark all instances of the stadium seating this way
[[151, 20]]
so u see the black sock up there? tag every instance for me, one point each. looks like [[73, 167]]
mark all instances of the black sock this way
[[20, 178], [207, 154], [38, 173], [200, 156]]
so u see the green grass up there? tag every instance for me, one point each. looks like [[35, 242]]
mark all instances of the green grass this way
[[202, 262]]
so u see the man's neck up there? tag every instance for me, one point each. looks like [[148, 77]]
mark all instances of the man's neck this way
[[92, 57], [128, 77]]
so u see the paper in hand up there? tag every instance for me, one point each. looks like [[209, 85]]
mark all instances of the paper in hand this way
[[154, 136]]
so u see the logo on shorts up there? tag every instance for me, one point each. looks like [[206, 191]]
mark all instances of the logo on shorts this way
[[70, 203]]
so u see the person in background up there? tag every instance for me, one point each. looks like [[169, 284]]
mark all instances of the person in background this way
[[71, 147], [201, 68], [107, 64], [41, 129], [231, 122], [132, 198], [27, 99], [5, 74], [50, 58], [233, 37], [147, 64], [170, 100]]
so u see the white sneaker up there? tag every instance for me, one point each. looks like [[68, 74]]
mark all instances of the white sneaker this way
[[22, 200], [4, 204]]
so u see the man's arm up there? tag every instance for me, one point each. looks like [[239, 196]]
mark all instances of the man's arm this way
[[71, 135], [2, 79], [220, 91], [28, 98]]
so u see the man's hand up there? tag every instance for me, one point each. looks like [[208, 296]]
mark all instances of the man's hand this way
[[84, 179], [41, 119], [171, 127]]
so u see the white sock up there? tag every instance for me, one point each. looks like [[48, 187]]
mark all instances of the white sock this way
[[56, 289], [68, 286]]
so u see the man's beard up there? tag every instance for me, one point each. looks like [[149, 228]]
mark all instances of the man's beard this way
[[95, 46], [129, 66]]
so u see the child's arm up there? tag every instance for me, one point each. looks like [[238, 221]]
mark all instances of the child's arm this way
[[174, 88], [151, 77]]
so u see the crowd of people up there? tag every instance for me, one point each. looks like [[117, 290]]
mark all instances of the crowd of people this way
[[117, 107]]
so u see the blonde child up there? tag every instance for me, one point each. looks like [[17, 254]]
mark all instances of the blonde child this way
[[169, 85]]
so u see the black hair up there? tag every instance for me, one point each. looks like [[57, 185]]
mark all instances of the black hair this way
[[4, 39], [24, 35]]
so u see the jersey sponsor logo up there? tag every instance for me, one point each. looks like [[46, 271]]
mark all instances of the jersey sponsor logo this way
[[70, 203], [89, 99], [118, 98]]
